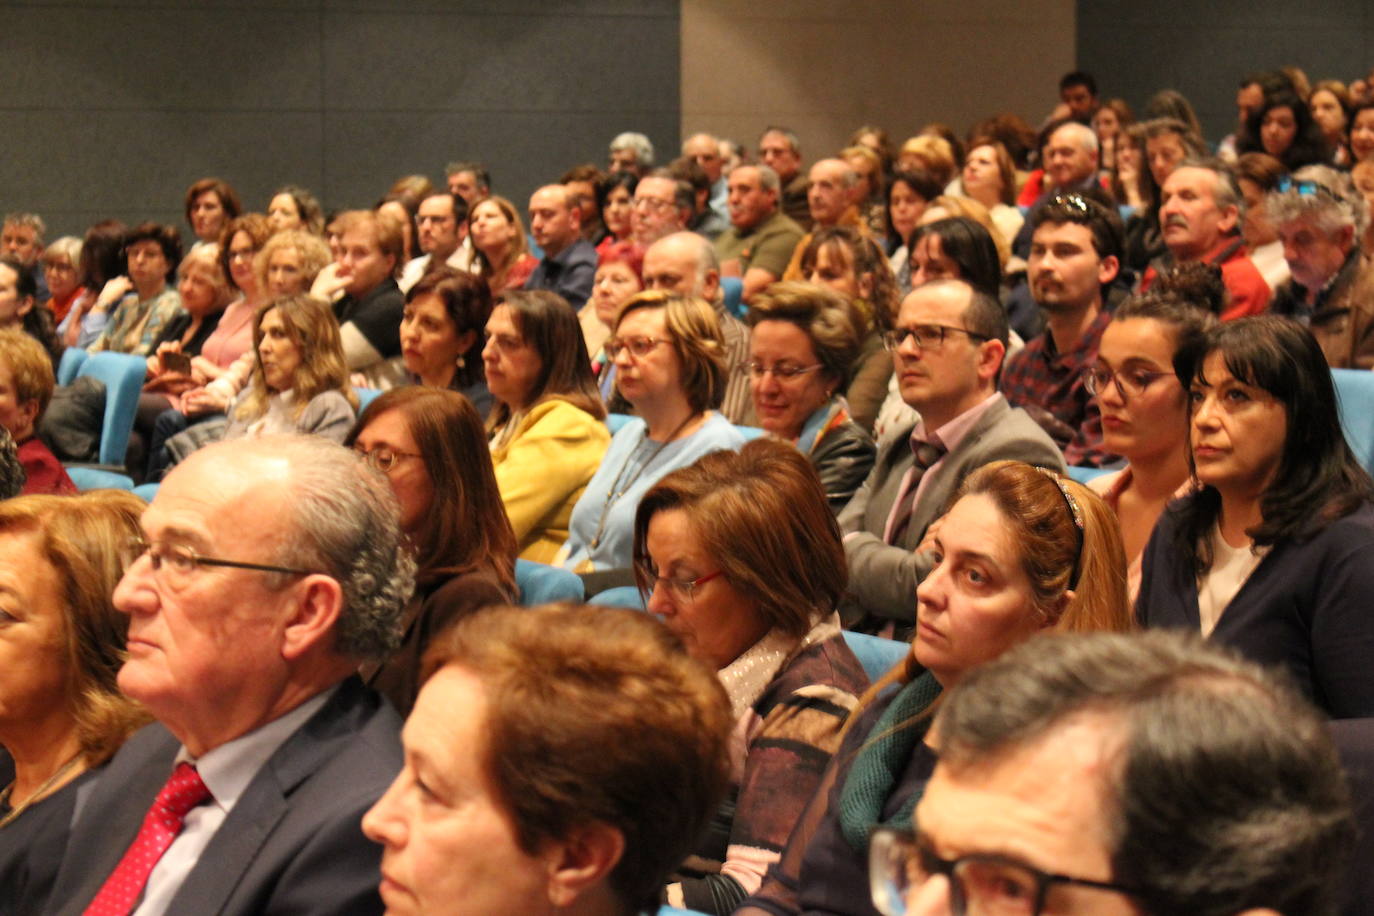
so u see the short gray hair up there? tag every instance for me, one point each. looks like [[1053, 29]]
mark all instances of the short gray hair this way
[[1225, 189], [789, 135], [638, 144], [768, 179], [32, 220], [1334, 206], [68, 246], [1083, 133], [344, 521]]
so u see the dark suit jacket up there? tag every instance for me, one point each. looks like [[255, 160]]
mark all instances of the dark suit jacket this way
[[293, 842], [882, 576]]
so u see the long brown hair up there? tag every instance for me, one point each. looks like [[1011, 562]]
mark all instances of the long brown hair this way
[[466, 527], [311, 326], [83, 538], [495, 274], [550, 326]]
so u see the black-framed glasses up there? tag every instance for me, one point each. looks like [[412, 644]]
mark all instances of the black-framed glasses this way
[[684, 589], [639, 347], [783, 372], [177, 562], [927, 336], [981, 884], [1129, 383], [383, 458]]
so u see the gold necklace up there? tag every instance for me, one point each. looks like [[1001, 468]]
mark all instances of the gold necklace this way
[[36, 794]]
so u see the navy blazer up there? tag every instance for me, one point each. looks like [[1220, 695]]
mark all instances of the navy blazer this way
[[293, 843], [1305, 608]]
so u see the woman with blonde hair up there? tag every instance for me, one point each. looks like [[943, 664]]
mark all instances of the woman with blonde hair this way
[[670, 366], [299, 383], [931, 153], [62, 716], [500, 253], [1022, 550]]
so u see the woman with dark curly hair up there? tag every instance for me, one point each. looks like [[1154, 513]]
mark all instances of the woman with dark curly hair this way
[[1283, 128]]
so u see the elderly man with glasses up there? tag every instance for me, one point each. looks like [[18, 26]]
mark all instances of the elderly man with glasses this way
[[268, 570], [947, 350]]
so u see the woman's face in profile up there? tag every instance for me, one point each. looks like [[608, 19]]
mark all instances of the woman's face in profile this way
[[449, 845], [977, 601], [32, 660]]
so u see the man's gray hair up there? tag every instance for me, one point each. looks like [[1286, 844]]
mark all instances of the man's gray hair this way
[[1226, 792], [638, 144], [788, 135], [1084, 134], [344, 521], [1323, 195], [32, 220], [768, 179], [1225, 189]]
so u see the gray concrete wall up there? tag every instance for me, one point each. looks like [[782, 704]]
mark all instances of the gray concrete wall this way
[[113, 108], [1136, 47]]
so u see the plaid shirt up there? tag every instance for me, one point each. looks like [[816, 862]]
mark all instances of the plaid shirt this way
[[1049, 386]]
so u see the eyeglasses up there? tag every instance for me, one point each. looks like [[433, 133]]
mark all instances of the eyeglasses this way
[[175, 563], [639, 347], [1129, 383], [981, 884], [683, 589], [782, 373], [382, 458], [928, 336]]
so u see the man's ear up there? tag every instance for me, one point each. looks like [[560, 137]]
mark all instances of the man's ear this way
[[991, 356], [582, 861], [319, 602]]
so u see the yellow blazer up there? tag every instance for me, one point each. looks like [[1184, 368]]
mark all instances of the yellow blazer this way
[[542, 470]]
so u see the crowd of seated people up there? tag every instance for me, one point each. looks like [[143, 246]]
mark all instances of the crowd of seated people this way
[[1006, 406]]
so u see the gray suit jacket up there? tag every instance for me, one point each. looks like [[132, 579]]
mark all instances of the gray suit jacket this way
[[883, 577], [292, 843]]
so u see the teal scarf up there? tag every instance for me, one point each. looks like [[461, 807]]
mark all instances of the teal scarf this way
[[880, 762]]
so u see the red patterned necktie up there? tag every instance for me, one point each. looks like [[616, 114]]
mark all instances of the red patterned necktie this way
[[183, 791]]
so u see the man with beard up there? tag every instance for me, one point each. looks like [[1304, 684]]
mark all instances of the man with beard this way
[[1074, 257], [1199, 214]]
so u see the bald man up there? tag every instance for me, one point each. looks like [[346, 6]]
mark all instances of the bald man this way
[[569, 264]]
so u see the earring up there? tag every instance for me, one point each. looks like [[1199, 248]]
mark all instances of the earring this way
[[462, 362]]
